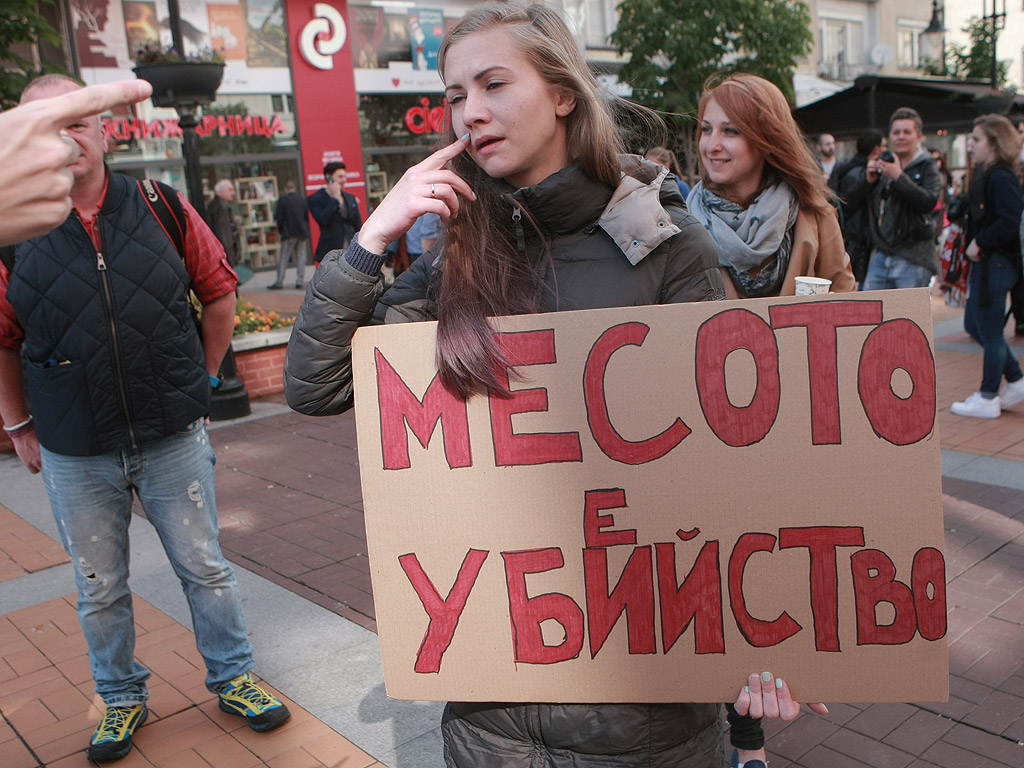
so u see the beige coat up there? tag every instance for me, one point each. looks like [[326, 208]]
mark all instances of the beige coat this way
[[818, 251]]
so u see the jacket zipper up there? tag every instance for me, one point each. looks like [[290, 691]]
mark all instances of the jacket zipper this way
[[108, 301]]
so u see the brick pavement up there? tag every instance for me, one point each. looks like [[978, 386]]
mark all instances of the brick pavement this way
[[291, 512]]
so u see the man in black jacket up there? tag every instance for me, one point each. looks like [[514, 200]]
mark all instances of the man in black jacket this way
[[904, 188], [292, 217], [336, 212], [222, 220], [96, 330]]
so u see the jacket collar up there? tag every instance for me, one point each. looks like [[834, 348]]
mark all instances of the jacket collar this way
[[633, 214]]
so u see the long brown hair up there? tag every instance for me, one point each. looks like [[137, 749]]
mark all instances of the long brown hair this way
[[484, 273], [1003, 137], [759, 111]]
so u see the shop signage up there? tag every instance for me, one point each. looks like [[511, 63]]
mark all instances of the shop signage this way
[[426, 119], [326, 105], [323, 36], [672, 498], [123, 129]]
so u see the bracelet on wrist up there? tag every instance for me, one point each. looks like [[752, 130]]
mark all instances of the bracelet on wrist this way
[[19, 425], [19, 430]]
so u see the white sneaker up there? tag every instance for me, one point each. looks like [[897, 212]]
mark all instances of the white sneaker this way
[[1012, 393], [978, 406]]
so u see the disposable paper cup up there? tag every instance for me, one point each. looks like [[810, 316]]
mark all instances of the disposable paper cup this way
[[808, 286]]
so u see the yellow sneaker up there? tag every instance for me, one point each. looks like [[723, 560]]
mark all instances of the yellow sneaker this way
[[244, 698], [112, 739]]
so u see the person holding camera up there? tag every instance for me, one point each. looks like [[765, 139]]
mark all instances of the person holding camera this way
[[904, 185]]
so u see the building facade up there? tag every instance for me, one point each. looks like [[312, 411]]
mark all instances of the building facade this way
[[860, 37]]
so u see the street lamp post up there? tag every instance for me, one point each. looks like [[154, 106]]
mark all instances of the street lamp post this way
[[230, 400], [934, 35], [998, 19]]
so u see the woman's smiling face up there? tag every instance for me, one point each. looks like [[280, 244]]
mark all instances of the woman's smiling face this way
[[732, 165], [516, 119]]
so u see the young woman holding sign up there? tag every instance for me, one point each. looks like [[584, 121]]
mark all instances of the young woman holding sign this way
[[762, 195], [542, 212]]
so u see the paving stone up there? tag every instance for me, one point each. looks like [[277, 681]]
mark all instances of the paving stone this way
[[878, 720], [868, 750], [915, 735], [993, 748]]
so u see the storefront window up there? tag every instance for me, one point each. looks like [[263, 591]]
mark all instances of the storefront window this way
[[397, 131]]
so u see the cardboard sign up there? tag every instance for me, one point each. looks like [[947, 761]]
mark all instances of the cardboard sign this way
[[675, 497]]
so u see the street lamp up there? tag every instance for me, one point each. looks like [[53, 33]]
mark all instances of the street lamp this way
[[933, 38], [998, 19]]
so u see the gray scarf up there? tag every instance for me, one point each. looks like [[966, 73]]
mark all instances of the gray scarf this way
[[759, 237]]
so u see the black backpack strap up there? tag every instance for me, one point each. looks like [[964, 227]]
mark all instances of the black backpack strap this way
[[164, 203], [7, 257]]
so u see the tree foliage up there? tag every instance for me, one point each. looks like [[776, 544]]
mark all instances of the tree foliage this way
[[971, 60], [675, 45], [21, 24]]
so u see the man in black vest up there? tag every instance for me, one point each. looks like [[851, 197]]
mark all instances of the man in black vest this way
[[94, 319]]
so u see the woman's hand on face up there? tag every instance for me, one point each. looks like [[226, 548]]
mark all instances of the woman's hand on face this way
[[427, 187], [768, 696]]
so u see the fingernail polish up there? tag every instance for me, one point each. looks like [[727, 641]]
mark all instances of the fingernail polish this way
[[746, 689], [778, 682], [466, 137], [766, 677]]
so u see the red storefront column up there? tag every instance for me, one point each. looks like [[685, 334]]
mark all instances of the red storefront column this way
[[326, 105]]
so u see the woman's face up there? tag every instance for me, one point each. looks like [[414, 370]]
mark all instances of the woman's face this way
[[515, 118], [979, 147], [730, 162]]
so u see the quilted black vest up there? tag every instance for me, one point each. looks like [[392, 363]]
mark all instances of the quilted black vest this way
[[111, 355]]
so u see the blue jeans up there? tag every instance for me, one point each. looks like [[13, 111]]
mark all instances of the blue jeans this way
[[91, 498], [886, 271], [985, 324]]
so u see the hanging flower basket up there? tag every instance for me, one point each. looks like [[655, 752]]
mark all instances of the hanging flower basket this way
[[178, 82]]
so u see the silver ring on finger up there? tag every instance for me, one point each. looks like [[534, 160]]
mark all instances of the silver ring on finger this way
[[432, 190]]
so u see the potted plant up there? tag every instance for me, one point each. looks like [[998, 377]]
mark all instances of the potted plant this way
[[177, 78]]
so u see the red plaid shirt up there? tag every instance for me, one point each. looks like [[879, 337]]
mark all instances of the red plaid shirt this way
[[207, 266]]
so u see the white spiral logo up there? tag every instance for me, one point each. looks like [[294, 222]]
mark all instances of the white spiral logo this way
[[323, 36]]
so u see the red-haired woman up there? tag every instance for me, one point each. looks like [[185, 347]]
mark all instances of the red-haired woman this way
[[761, 194]]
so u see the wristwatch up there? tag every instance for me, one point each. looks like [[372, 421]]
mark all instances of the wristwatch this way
[[215, 381]]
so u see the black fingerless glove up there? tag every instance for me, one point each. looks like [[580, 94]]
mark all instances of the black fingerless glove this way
[[744, 731]]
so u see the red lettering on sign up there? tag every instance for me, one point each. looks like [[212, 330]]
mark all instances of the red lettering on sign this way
[[698, 599], [399, 406], [634, 594], [898, 345], [444, 613], [607, 437], [423, 119], [822, 542], [595, 502], [717, 338], [760, 634], [528, 613], [874, 582], [821, 319], [510, 448], [929, 574]]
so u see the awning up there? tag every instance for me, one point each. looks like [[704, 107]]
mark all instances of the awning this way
[[944, 104]]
